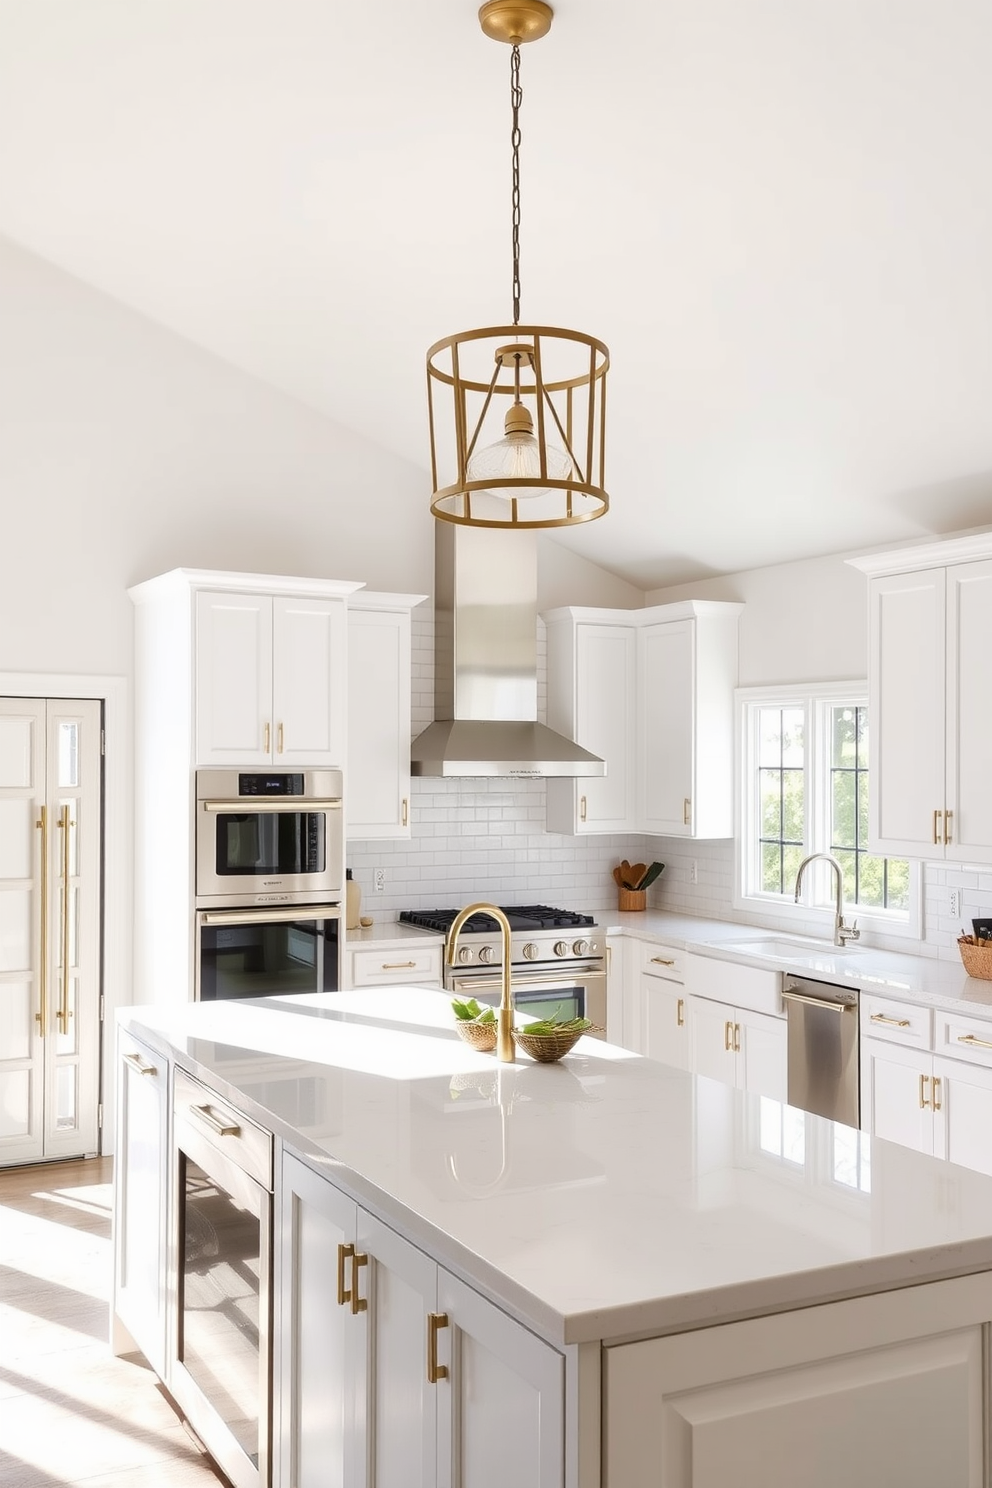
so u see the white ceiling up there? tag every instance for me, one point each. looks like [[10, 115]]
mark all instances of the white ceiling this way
[[777, 213]]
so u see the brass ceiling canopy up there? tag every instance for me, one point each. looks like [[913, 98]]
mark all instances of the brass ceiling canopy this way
[[540, 387]]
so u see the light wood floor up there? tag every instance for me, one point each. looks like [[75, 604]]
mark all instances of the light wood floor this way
[[70, 1412]]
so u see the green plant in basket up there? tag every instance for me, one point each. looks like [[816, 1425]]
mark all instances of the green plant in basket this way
[[470, 1011], [554, 1024]]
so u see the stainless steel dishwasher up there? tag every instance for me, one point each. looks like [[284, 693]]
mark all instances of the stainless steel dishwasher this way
[[823, 1048]]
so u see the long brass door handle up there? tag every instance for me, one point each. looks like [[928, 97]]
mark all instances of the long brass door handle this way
[[280, 739], [64, 1013], [267, 741], [358, 1304], [41, 1016], [344, 1295], [435, 1371]]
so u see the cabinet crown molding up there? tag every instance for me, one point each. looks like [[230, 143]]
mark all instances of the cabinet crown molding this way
[[925, 555], [683, 609], [370, 599], [188, 580]]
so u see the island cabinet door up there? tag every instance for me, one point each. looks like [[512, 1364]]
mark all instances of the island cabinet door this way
[[880, 1390], [320, 1339], [400, 1401], [140, 1170], [501, 1404]]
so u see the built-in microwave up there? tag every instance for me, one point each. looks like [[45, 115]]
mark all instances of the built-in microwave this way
[[268, 837]]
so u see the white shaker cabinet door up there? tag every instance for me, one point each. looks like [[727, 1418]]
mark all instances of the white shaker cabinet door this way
[[309, 690], [666, 689], [321, 1341], [897, 1094], [401, 1401], [906, 687], [233, 648], [379, 728], [969, 713], [763, 1055], [712, 1034], [665, 1022], [501, 1407], [140, 1169]]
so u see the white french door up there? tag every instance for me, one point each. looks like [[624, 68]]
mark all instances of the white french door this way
[[50, 856]]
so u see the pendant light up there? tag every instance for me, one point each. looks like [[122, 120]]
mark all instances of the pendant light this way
[[517, 412]]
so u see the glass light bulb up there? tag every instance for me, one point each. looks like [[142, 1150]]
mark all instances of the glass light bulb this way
[[517, 456]]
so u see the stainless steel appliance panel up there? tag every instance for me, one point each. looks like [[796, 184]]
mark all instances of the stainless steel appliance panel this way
[[258, 952], [823, 1044], [574, 993], [268, 837]]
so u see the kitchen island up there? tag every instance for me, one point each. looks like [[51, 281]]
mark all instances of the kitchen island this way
[[645, 1277]]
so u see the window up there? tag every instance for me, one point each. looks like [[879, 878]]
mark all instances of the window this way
[[804, 789]]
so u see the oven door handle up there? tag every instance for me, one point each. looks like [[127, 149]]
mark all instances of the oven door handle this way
[[524, 984], [249, 805], [269, 916]]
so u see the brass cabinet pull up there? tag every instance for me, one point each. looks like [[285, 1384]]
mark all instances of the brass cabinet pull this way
[[222, 1128], [947, 827], [358, 1304], [344, 1251], [661, 961], [924, 1082], [63, 1015], [737, 1038], [267, 743], [686, 811], [406, 812], [435, 1371], [936, 1093], [279, 739], [936, 833], [398, 965], [680, 1013], [896, 1022], [41, 1016], [727, 1032], [970, 1038], [582, 808], [138, 1064]]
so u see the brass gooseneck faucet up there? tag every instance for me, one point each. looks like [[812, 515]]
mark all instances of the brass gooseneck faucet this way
[[505, 1049]]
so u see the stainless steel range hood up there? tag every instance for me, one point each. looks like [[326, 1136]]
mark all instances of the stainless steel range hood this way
[[485, 663]]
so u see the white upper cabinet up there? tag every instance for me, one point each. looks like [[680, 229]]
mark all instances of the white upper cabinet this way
[[592, 676], [651, 691], [270, 680], [379, 728], [929, 622]]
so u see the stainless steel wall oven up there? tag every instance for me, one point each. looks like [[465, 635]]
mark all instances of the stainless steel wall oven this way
[[268, 837], [258, 952], [220, 1281]]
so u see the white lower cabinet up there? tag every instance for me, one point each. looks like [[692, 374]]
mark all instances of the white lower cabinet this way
[[877, 1390], [140, 1189], [897, 1095], [389, 1371], [739, 1047]]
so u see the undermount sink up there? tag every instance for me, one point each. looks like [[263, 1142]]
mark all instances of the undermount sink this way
[[784, 948]]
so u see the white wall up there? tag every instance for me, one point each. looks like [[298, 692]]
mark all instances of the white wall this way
[[804, 622], [125, 451]]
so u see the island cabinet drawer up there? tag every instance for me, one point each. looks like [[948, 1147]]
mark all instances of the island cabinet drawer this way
[[899, 1022], [964, 1038], [661, 961], [377, 968], [223, 1127]]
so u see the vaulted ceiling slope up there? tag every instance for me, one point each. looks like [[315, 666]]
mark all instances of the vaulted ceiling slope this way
[[777, 213]]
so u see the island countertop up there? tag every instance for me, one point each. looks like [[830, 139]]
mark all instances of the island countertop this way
[[603, 1198]]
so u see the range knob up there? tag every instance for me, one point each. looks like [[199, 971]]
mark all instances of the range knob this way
[[464, 954], [486, 955], [581, 948], [561, 947], [530, 951]]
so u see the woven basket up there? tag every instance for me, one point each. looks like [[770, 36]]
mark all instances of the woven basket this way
[[977, 956], [633, 899], [481, 1036], [548, 1048]]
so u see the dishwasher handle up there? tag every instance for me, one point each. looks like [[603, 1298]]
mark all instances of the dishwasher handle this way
[[819, 994], [820, 1002]]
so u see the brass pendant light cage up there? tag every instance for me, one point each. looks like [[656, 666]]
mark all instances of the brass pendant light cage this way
[[518, 412], [474, 382]]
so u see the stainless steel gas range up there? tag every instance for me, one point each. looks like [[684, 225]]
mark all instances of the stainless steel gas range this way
[[557, 959]]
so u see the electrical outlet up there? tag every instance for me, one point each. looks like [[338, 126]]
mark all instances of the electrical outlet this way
[[693, 871], [379, 881], [955, 898]]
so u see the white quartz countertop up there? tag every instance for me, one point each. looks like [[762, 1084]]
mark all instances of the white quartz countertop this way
[[605, 1197], [919, 979], [390, 933]]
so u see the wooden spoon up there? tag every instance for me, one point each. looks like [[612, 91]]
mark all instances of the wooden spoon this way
[[636, 873], [618, 878]]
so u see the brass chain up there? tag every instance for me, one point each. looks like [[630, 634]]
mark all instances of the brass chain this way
[[516, 98]]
